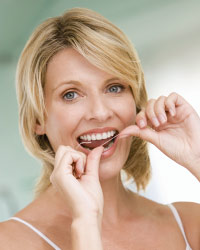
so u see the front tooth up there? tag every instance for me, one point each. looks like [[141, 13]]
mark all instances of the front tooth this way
[[93, 137], [112, 133], [99, 137], [104, 136], [88, 137]]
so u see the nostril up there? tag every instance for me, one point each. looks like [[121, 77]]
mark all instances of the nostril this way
[[99, 111]]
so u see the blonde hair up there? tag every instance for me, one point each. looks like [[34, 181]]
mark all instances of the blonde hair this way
[[105, 46]]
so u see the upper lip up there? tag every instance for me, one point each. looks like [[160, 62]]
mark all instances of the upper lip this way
[[98, 130]]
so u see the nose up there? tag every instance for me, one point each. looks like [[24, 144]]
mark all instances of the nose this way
[[99, 109]]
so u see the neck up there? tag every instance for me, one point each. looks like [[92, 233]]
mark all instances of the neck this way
[[117, 201]]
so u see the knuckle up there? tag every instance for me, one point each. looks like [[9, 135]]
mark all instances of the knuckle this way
[[150, 110], [173, 94], [61, 149], [172, 98], [161, 98], [68, 148], [151, 101], [140, 116], [150, 105], [64, 148], [169, 102], [160, 106]]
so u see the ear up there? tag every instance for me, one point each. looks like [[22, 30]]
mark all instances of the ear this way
[[39, 129]]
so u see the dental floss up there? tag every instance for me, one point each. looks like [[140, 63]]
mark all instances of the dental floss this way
[[125, 135]]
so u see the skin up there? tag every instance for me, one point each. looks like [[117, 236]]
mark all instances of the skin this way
[[93, 106], [73, 210]]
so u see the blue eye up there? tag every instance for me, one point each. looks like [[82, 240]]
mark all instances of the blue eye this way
[[70, 95], [116, 88]]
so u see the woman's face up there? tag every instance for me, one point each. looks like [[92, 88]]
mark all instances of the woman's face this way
[[86, 104]]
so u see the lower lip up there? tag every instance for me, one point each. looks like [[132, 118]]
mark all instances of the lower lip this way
[[107, 153]]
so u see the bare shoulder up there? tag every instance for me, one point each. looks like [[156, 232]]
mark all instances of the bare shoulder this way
[[4, 235], [9, 235], [189, 213], [14, 236], [190, 216]]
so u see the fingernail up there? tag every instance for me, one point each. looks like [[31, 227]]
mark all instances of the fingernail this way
[[162, 118], [155, 122], [141, 123]]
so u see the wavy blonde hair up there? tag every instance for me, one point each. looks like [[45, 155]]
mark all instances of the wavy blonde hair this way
[[102, 44]]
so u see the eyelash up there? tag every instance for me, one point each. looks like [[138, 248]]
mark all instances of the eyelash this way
[[118, 86], [69, 100], [73, 91]]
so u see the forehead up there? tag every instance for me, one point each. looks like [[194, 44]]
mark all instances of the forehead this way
[[68, 65]]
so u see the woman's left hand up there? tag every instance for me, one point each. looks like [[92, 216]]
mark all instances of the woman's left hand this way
[[173, 126]]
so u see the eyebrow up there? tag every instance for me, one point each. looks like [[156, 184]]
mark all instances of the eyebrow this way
[[79, 83], [66, 83]]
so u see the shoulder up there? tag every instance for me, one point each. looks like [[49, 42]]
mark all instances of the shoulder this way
[[14, 236], [10, 235], [189, 213], [4, 238]]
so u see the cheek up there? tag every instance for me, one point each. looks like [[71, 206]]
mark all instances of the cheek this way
[[60, 125], [63, 118], [127, 111]]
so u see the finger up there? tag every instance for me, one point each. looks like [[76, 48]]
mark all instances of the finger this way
[[93, 161], [64, 181], [171, 102], [159, 109], [150, 113], [141, 119], [80, 165], [79, 162], [146, 134], [59, 154], [132, 130], [72, 162], [63, 169]]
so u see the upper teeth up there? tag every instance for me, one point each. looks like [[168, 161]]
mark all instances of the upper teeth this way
[[98, 136]]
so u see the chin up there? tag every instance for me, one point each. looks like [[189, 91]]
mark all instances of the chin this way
[[110, 167]]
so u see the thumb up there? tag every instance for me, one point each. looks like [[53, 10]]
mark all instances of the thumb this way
[[146, 133], [93, 160]]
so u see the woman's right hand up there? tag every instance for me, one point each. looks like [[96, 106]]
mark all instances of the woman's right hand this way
[[76, 177]]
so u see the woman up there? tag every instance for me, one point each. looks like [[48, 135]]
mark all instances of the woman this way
[[80, 86]]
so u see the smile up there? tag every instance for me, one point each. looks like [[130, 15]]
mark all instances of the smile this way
[[91, 140]]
